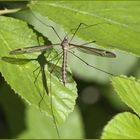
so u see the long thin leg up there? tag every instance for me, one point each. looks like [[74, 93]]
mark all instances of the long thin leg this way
[[76, 31], [47, 25], [55, 57], [56, 64], [86, 26], [87, 43], [91, 65]]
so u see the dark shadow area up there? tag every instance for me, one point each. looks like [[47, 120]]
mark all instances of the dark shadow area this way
[[12, 112], [4, 129]]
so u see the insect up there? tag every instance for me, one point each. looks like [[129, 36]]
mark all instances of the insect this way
[[66, 46]]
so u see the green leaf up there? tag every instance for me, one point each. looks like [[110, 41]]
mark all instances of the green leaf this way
[[129, 91], [123, 126], [121, 28], [16, 34]]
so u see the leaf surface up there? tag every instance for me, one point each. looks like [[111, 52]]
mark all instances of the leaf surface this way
[[123, 126], [128, 90]]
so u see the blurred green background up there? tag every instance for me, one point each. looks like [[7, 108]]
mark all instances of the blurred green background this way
[[97, 102]]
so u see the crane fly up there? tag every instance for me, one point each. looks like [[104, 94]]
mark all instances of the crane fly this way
[[66, 45]]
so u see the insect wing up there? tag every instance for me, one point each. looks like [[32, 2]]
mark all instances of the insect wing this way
[[95, 51], [30, 49]]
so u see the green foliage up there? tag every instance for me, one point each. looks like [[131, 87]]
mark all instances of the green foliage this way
[[119, 30], [128, 90], [125, 125]]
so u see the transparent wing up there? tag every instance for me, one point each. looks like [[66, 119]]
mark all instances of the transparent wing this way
[[95, 51], [30, 49]]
